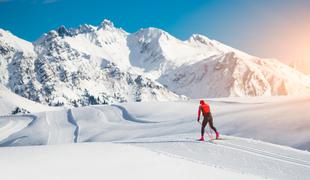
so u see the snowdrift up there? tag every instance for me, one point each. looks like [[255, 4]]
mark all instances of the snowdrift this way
[[279, 120]]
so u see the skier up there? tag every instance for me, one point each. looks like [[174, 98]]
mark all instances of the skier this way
[[207, 118]]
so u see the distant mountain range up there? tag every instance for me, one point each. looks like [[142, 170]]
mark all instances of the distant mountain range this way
[[104, 64]]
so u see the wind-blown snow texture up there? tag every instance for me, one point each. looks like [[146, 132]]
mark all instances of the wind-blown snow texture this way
[[104, 64], [169, 129]]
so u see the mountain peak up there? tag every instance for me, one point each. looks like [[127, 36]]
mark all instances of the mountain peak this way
[[151, 30], [4, 33], [63, 31], [6, 37], [200, 38], [106, 24], [153, 33], [85, 28]]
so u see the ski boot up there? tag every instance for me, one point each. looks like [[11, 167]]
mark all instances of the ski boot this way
[[217, 135]]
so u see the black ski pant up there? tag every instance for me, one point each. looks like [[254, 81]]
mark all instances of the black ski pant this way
[[207, 118]]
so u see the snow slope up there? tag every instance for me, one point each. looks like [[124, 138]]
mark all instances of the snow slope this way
[[170, 129], [280, 120], [230, 74], [9, 101], [102, 161], [104, 64]]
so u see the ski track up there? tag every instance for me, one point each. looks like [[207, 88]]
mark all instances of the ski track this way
[[62, 127], [280, 167], [172, 155], [49, 129], [57, 129], [257, 152], [266, 154]]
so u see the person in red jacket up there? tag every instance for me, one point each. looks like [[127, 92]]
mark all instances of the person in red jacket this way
[[207, 118]]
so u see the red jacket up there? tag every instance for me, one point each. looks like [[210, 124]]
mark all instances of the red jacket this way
[[204, 108]]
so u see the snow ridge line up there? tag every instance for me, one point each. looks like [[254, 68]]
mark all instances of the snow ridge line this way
[[127, 116], [74, 123], [13, 137], [265, 154]]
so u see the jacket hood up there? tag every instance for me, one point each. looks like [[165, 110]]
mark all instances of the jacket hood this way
[[202, 102]]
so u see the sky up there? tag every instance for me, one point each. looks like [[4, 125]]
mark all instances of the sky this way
[[265, 28]]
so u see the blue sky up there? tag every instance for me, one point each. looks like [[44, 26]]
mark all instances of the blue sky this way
[[266, 28]]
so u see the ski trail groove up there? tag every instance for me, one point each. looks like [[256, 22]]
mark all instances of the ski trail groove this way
[[306, 163], [54, 128], [264, 154], [49, 129], [74, 123]]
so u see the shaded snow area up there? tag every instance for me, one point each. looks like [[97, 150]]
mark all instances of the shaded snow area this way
[[261, 137]]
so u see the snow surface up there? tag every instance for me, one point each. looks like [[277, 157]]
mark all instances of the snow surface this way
[[103, 161], [9, 101], [167, 131], [20, 44]]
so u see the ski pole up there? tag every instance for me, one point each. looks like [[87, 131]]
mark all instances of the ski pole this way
[[210, 136], [210, 132]]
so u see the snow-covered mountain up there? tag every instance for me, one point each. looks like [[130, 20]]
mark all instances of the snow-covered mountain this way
[[102, 64], [230, 74], [53, 72]]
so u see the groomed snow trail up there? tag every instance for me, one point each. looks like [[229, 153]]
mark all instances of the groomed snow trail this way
[[255, 158], [97, 161]]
